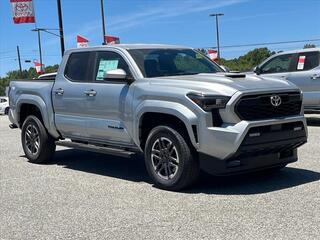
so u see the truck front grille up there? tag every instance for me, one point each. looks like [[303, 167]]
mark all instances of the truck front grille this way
[[259, 107]]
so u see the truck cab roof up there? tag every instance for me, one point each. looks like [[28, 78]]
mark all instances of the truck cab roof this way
[[128, 47]]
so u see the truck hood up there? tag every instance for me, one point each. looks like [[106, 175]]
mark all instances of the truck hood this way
[[222, 83]]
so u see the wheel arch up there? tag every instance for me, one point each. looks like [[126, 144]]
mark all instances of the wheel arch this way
[[33, 105], [153, 114]]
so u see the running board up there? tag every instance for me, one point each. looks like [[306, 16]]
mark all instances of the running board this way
[[98, 149]]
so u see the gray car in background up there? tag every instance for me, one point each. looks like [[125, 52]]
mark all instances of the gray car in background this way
[[300, 67]]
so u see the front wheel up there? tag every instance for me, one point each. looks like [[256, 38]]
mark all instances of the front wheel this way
[[170, 160], [38, 145]]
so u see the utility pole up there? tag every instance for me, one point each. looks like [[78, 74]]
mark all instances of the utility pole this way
[[103, 23], [216, 15], [60, 27], [38, 30], [19, 60]]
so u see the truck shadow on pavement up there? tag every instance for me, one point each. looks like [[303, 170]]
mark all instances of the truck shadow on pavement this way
[[255, 183], [134, 170], [313, 118], [313, 121]]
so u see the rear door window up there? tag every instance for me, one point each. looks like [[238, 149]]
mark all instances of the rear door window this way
[[278, 64], [78, 67], [307, 61]]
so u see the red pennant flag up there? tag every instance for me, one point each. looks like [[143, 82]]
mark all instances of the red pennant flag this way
[[23, 11], [212, 54], [111, 40], [82, 42], [39, 67]]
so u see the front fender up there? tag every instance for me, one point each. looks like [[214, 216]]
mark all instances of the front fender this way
[[172, 108]]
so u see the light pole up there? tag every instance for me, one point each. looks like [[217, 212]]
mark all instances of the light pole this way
[[38, 30], [216, 15], [103, 23], [60, 27], [19, 60]]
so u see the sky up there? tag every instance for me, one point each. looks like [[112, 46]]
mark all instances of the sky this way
[[181, 22]]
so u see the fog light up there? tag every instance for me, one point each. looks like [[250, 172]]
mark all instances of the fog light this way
[[254, 134], [234, 163]]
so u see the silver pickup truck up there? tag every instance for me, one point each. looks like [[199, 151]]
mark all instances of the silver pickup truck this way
[[171, 103]]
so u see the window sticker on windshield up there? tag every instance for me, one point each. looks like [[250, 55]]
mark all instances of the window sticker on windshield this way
[[301, 62], [105, 66]]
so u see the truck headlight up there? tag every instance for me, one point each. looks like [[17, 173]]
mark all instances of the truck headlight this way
[[209, 102]]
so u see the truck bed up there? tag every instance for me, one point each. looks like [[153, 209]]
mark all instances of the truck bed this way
[[32, 91], [31, 87]]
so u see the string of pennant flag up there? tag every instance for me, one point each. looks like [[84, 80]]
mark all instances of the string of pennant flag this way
[[83, 42]]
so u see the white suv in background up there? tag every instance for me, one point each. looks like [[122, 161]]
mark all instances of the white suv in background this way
[[4, 105], [300, 67]]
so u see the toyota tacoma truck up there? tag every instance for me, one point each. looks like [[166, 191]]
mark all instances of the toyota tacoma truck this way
[[171, 103]]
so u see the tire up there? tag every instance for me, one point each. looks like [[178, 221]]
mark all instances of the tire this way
[[38, 145], [170, 160], [6, 111]]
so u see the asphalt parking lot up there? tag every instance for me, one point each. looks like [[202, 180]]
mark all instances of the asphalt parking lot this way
[[83, 195]]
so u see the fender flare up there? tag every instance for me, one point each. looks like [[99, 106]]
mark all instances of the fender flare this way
[[44, 110], [175, 109]]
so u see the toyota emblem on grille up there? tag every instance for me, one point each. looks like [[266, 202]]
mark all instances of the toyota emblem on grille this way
[[275, 100]]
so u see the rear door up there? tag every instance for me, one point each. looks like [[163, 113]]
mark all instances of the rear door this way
[[278, 67], [305, 74], [69, 95], [109, 104]]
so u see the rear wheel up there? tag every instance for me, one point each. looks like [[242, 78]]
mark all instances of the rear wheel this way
[[6, 111], [170, 160], [38, 145]]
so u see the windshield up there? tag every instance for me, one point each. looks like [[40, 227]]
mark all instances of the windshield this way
[[172, 62]]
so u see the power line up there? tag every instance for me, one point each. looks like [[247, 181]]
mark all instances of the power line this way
[[268, 43]]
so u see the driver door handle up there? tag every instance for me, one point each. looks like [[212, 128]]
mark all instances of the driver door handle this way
[[315, 76], [59, 91], [90, 93]]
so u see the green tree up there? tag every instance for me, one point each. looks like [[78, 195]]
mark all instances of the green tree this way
[[25, 74], [248, 61], [309, 45], [4, 82]]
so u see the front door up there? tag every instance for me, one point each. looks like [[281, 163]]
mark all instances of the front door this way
[[109, 102], [278, 67]]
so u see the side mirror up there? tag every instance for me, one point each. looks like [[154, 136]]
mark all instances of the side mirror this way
[[257, 70], [226, 69], [116, 74]]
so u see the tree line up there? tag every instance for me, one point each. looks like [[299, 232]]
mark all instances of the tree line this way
[[25, 74]]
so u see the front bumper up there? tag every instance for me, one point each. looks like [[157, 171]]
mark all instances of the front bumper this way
[[251, 145]]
